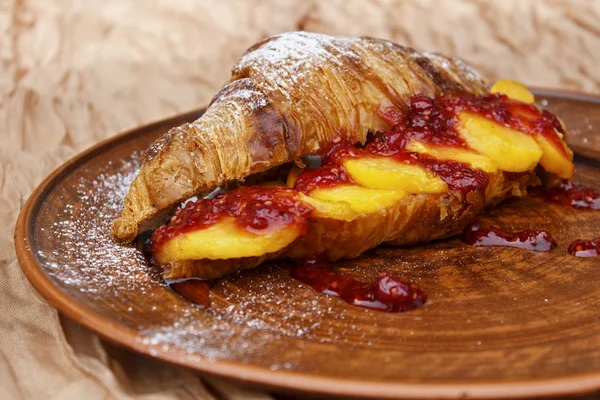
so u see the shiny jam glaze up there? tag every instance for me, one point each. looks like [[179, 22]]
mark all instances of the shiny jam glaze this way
[[435, 122], [256, 209], [389, 293], [523, 117], [535, 240], [323, 176], [427, 121], [575, 196], [585, 248], [459, 177]]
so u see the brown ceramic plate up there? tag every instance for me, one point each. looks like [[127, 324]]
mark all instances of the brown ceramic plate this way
[[500, 322]]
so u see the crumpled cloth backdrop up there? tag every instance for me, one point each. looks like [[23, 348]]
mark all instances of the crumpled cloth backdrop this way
[[75, 72]]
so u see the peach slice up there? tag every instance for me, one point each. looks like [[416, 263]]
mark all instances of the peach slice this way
[[509, 149], [224, 240], [514, 90], [387, 173], [470, 157], [340, 210], [553, 160], [361, 199]]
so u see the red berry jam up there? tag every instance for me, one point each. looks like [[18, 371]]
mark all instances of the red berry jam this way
[[389, 293], [256, 209], [575, 196], [535, 240], [585, 248]]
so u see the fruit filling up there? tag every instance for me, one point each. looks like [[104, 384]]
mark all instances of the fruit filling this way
[[245, 222], [445, 146]]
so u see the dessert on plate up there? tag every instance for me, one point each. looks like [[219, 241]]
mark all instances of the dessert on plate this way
[[330, 146]]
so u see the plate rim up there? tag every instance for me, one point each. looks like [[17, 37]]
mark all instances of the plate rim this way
[[253, 375]]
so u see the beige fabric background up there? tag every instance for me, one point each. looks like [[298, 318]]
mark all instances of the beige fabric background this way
[[75, 72]]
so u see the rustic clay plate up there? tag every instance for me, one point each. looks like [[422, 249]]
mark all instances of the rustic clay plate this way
[[500, 322]]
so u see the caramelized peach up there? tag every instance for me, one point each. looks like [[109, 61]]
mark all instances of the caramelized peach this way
[[466, 156], [361, 199], [225, 239], [340, 210], [509, 149], [514, 90], [388, 173], [554, 160]]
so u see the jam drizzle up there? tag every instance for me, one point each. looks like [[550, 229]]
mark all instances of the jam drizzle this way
[[459, 177], [575, 196], [534, 240], [260, 210], [256, 209], [585, 248], [323, 176], [389, 293], [436, 122], [427, 121]]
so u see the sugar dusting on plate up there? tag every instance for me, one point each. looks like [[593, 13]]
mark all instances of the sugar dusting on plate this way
[[107, 274], [96, 260], [249, 310]]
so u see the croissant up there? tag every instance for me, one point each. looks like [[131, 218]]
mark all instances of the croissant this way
[[412, 148], [288, 96]]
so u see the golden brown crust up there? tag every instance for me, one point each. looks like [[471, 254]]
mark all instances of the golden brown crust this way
[[289, 96]]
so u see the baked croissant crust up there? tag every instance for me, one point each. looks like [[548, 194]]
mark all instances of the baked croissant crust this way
[[290, 95]]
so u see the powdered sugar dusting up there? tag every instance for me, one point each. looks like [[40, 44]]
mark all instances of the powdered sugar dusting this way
[[294, 50], [106, 265], [249, 310], [257, 100], [468, 72], [115, 281], [243, 94], [285, 61]]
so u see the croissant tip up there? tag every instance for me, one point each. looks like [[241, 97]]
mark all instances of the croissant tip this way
[[122, 231]]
